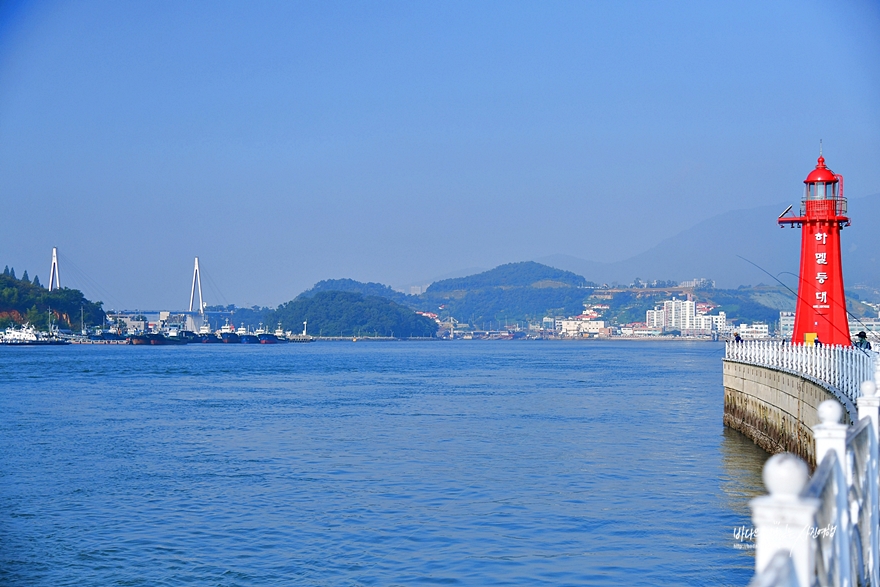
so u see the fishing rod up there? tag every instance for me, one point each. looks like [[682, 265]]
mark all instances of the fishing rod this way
[[874, 335], [795, 294]]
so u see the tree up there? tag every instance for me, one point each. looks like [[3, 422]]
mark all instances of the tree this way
[[12, 273], [37, 281], [37, 319], [22, 300], [6, 270], [25, 276]]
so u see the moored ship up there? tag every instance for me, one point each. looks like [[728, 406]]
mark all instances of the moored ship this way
[[228, 334], [138, 339], [280, 336], [27, 335], [205, 335], [246, 337], [265, 337], [155, 339]]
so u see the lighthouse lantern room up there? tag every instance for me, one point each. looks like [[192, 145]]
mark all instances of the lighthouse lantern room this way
[[821, 305]]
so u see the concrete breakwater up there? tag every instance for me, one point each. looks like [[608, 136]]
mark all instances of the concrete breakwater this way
[[776, 409]]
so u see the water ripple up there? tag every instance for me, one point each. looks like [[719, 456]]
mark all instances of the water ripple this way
[[381, 464]]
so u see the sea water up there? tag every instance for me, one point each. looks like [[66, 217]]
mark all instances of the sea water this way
[[394, 463]]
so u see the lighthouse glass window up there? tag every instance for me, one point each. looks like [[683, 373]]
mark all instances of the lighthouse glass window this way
[[822, 191]]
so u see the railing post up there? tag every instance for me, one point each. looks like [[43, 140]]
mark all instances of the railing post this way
[[869, 405], [779, 518], [826, 364], [830, 434], [876, 359], [839, 357]]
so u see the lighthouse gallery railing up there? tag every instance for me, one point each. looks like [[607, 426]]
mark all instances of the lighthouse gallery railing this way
[[839, 369]]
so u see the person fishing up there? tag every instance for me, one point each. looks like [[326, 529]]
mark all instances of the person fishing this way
[[861, 341]]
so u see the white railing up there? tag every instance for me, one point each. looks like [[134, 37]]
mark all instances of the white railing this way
[[839, 369], [824, 530]]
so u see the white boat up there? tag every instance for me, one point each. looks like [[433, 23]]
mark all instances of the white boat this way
[[28, 335]]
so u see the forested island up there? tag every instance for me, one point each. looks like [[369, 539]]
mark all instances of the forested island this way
[[341, 313], [23, 301]]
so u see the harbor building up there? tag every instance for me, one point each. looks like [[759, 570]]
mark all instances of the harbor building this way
[[786, 325], [580, 328]]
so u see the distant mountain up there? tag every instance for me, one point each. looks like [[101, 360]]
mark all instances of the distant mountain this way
[[524, 274], [367, 289], [516, 291], [424, 283], [718, 248]]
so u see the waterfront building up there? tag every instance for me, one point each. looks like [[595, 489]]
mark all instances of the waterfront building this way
[[643, 330], [655, 318], [577, 328], [720, 322], [679, 314], [756, 330], [705, 323], [869, 325], [786, 325], [684, 315]]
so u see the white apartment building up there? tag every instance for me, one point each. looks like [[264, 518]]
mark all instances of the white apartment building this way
[[706, 323], [786, 325], [720, 321], [679, 314], [655, 318]]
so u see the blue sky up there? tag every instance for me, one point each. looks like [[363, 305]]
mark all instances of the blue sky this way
[[284, 143]]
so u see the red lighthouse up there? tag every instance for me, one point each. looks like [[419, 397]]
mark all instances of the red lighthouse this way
[[821, 306]]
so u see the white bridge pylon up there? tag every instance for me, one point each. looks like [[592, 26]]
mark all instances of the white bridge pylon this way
[[53, 273], [197, 280]]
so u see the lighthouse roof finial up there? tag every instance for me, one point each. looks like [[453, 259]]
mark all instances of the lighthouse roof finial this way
[[821, 173]]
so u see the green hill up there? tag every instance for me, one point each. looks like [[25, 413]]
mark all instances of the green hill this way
[[515, 291], [366, 289], [341, 313], [23, 301], [525, 274]]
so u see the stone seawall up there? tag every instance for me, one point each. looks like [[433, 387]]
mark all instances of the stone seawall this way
[[774, 408]]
